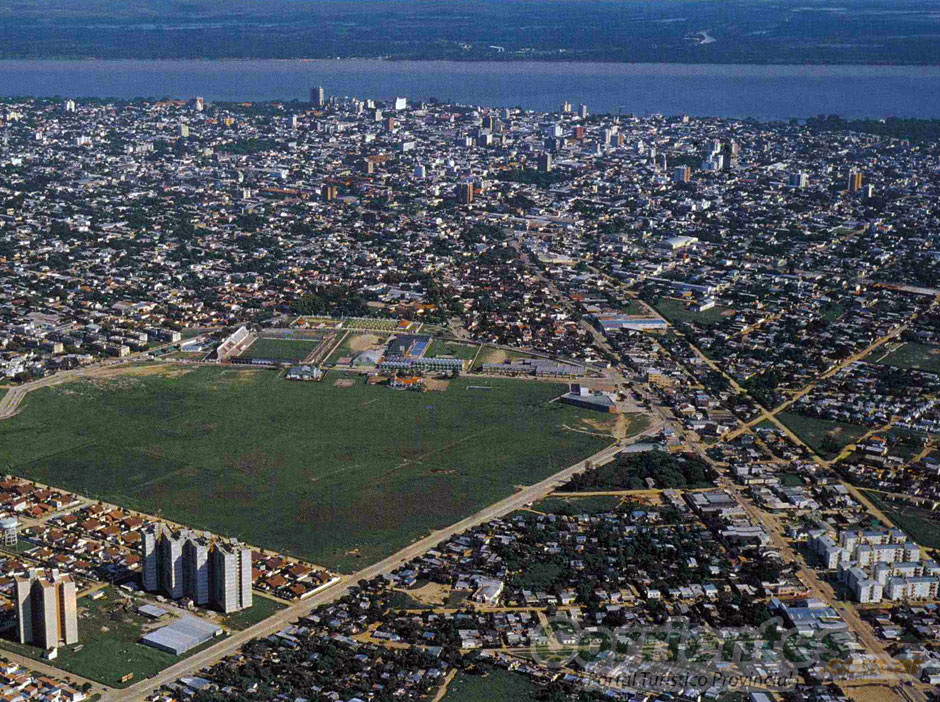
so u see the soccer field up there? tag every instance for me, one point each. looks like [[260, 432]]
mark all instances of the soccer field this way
[[311, 469], [294, 350]]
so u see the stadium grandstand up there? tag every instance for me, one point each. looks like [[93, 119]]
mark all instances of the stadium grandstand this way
[[400, 363], [234, 344]]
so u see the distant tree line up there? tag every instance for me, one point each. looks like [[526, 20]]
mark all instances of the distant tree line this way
[[913, 129]]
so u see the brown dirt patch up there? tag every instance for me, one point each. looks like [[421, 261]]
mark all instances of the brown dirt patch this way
[[493, 356], [436, 384], [432, 594], [167, 371], [604, 426], [363, 342], [872, 693], [343, 383], [728, 313]]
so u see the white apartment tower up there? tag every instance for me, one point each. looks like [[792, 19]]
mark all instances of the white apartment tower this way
[[46, 611], [196, 569], [231, 577], [185, 564], [170, 562]]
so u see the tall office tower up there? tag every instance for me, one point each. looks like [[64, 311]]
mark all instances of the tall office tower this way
[[545, 163], [200, 104], [465, 192], [681, 174], [734, 151], [294, 121], [582, 111], [798, 179], [170, 550], [184, 130], [318, 96], [579, 132], [714, 147], [46, 613], [489, 123], [231, 576], [70, 106], [566, 108], [196, 569], [389, 124], [401, 103], [855, 181], [714, 163], [660, 162], [328, 193]]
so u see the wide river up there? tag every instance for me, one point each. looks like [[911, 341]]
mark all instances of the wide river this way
[[764, 92]]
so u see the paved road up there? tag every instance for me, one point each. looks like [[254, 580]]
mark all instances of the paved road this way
[[230, 645]]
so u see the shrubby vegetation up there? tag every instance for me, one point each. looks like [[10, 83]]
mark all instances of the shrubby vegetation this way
[[333, 300], [632, 471]]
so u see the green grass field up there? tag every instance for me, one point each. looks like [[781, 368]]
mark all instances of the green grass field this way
[[450, 348], [920, 524], [498, 686], [814, 431], [592, 504], [108, 644], [832, 312], [925, 357], [639, 423], [261, 608], [632, 306], [281, 349], [678, 311], [309, 469]]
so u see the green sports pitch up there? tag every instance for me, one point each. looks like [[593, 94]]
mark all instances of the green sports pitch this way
[[340, 476], [293, 350]]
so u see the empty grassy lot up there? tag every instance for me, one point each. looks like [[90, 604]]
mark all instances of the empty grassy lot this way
[[339, 476], [261, 608], [925, 357], [592, 504], [814, 433], [281, 349], [678, 311], [497, 686], [920, 524]]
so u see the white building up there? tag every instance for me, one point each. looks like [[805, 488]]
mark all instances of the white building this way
[[231, 579]]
